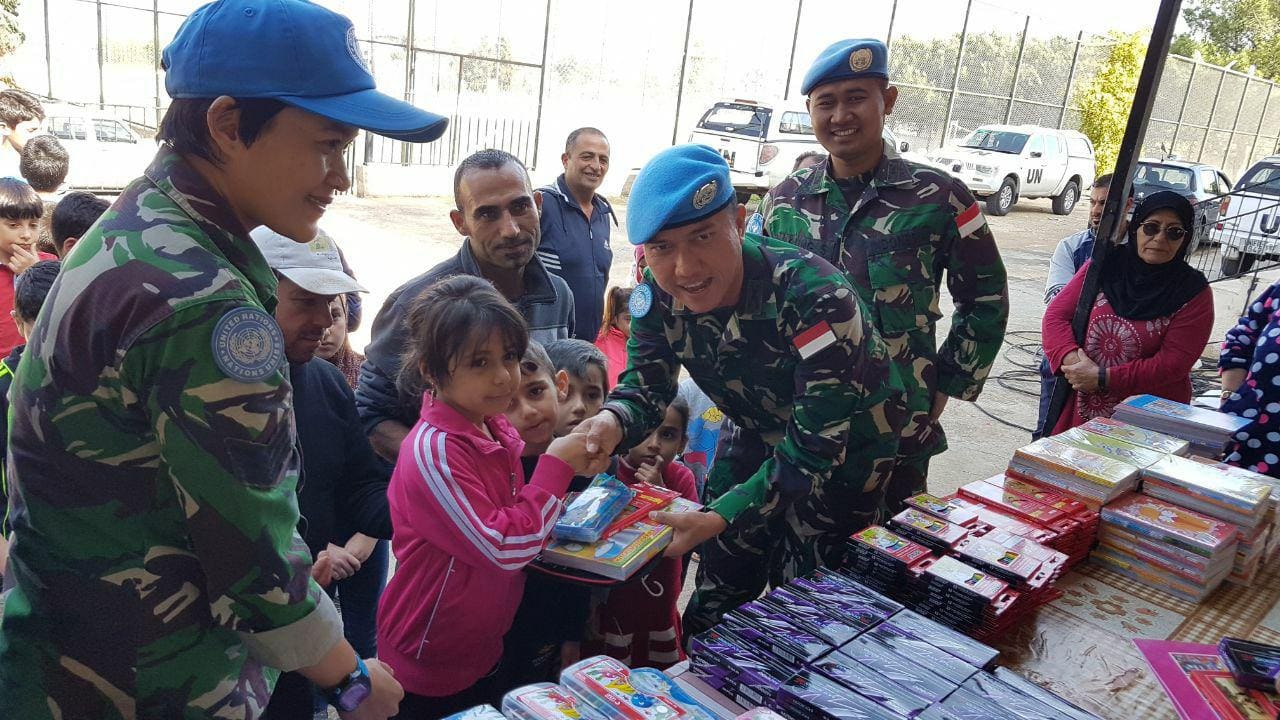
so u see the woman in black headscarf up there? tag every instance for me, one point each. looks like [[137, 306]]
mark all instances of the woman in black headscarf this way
[[1149, 324]]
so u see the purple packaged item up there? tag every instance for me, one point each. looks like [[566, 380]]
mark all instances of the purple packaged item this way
[[950, 668], [808, 615], [777, 632], [965, 705], [1009, 699], [870, 683], [940, 636], [937, 712], [1026, 687], [723, 660], [855, 610], [837, 581], [811, 696], [902, 671]]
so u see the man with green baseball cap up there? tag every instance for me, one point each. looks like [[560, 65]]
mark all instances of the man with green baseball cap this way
[[157, 569]]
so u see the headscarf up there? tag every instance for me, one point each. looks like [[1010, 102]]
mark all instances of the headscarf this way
[[1138, 290]]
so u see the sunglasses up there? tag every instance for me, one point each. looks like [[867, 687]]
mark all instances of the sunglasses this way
[[1173, 232]]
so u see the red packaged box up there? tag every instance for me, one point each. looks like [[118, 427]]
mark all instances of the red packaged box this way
[[1012, 503]]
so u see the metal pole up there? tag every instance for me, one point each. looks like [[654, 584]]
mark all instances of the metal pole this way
[[542, 85], [155, 55], [102, 59], [1213, 109], [410, 72], [684, 61], [1186, 99], [1139, 114], [1017, 70], [1071, 79], [893, 15], [795, 35], [1236, 122], [955, 80]]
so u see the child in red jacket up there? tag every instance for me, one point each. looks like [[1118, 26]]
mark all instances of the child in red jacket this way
[[465, 522], [639, 623], [615, 331]]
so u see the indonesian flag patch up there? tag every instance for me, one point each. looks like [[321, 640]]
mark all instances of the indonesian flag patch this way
[[970, 220], [814, 340]]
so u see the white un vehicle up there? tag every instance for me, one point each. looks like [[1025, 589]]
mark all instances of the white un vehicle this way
[[1006, 163], [1250, 221]]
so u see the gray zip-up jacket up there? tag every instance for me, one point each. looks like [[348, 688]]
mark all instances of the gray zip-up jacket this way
[[547, 306]]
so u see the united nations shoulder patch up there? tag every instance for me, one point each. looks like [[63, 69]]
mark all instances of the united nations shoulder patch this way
[[248, 345], [641, 300]]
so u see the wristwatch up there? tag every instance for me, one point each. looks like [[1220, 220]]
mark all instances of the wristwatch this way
[[353, 690]]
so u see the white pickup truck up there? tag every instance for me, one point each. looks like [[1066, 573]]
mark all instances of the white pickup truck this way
[[1005, 163], [1250, 218]]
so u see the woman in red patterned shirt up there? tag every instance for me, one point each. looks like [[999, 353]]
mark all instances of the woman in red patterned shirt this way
[[1150, 321]]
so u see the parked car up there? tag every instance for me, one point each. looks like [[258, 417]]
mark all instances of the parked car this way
[[106, 153], [1250, 218], [1006, 163], [1203, 184], [761, 140]]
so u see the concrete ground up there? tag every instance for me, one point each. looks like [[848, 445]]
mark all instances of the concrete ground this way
[[389, 240]]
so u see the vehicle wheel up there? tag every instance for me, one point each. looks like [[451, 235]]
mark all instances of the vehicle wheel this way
[[1003, 199], [1065, 201], [1238, 264]]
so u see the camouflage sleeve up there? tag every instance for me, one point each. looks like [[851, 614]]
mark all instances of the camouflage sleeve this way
[[651, 379], [781, 219], [228, 450], [980, 291], [848, 409]]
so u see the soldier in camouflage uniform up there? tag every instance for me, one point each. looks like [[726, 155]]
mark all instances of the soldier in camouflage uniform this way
[[776, 337], [158, 572], [895, 227]]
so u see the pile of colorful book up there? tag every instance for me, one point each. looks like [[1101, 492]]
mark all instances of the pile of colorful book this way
[[1233, 497], [830, 647], [1073, 523], [974, 578], [1207, 430], [1155, 542], [606, 531]]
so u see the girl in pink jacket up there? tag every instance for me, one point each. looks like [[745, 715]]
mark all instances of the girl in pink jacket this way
[[465, 522]]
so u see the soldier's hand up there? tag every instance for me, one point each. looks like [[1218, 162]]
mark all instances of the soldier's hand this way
[[384, 700], [345, 563], [603, 432], [648, 473], [22, 257], [691, 529]]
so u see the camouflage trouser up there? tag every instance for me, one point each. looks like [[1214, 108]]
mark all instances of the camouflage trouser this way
[[910, 477], [755, 551]]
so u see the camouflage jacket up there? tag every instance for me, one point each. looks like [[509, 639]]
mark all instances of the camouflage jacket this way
[[158, 570], [795, 362], [911, 224]]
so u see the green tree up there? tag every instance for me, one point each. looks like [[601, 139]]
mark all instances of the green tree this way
[[1105, 100], [10, 35], [1244, 31]]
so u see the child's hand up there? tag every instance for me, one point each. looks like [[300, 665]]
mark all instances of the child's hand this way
[[345, 564], [649, 473], [572, 449], [21, 258], [322, 569]]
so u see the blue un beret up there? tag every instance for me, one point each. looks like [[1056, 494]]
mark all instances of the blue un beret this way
[[680, 185], [856, 58]]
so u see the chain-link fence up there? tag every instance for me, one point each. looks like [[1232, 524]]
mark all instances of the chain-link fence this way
[[520, 74]]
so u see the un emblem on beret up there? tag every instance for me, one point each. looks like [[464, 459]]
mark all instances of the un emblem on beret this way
[[247, 345], [704, 195], [860, 59]]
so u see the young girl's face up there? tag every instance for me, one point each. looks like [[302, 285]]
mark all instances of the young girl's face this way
[[336, 335], [483, 379], [662, 445], [623, 322]]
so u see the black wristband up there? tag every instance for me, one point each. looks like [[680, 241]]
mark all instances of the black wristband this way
[[1102, 378]]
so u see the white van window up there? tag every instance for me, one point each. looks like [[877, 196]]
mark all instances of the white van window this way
[[67, 128], [1170, 177], [1078, 147], [1051, 145], [1209, 182], [736, 118], [1036, 145], [1263, 179], [1001, 141], [796, 123], [111, 131]]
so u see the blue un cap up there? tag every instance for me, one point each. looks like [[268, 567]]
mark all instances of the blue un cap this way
[[293, 51], [679, 186], [846, 59]]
